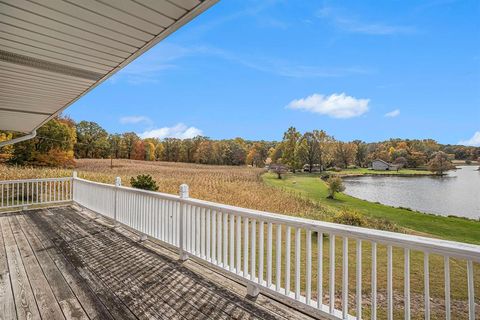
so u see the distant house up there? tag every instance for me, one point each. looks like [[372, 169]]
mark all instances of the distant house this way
[[315, 168], [379, 164]]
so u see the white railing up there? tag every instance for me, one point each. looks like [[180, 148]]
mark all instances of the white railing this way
[[21, 193], [286, 257], [291, 258]]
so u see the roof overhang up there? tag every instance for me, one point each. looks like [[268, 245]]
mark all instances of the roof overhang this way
[[53, 52]]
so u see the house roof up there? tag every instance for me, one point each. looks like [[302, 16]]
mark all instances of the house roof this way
[[383, 161], [53, 52]]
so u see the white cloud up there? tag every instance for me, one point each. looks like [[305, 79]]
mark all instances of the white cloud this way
[[180, 131], [335, 105], [135, 120], [473, 141], [393, 114]]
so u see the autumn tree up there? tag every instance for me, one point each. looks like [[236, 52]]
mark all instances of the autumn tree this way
[[129, 141], [344, 153], [361, 154], [6, 151], [159, 151], [115, 142], [440, 163], [204, 151], [276, 153], [257, 155], [53, 145], [92, 140], [290, 144], [139, 150], [279, 169], [308, 149], [149, 151]]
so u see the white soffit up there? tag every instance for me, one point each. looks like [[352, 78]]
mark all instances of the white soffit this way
[[52, 52]]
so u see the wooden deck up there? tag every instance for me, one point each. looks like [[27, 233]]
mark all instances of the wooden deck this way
[[58, 263]]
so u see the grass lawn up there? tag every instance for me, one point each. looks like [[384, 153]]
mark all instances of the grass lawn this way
[[449, 228], [366, 171]]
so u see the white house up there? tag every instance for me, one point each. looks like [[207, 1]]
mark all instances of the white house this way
[[379, 164]]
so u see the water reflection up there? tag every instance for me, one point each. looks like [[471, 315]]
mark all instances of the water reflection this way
[[457, 193]]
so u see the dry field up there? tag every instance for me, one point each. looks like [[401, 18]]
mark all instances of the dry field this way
[[242, 186], [239, 186]]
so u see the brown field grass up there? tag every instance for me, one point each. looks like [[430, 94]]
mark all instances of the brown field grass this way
[[243, 186], [239, 186]]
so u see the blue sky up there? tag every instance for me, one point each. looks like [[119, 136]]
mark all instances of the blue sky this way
[[367, 70]]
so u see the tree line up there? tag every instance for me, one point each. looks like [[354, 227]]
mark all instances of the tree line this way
[[61, 140]]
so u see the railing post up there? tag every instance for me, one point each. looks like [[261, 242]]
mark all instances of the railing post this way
[[183, 195], [118, 183], [72, 188]]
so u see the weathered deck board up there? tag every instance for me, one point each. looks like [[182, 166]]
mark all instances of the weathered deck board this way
[[7, 302], [47, 303], [90, 303], [69, 266], [113, 304], [69, 304], [25, 303]]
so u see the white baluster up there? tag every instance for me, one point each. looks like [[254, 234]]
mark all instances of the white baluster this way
[[245, 247], [471, 291], [374, 281], [308, 266], [389, 284], [332, 272], [426, 273], [288, 251], [269, 254], [447, 287], [298, 251], [407, 284], [278, 258], [261, 241], [253, 249]]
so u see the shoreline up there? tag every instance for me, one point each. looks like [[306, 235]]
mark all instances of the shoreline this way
[[447, 227], [355, 175]]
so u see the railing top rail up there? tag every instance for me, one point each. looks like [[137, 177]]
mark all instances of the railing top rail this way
[[96, 183], [444, 247], [130, 189], [162, 195], [35, 180], [431, 245]]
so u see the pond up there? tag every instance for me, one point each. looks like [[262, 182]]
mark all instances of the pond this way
[[457, 193]]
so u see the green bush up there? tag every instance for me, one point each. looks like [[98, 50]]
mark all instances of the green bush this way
[[325, 175], [350, 217], [357, 219], [384, 224], [145, 182], [335, 184]]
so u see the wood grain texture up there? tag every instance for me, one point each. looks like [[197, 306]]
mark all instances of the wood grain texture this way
[[80, 268]]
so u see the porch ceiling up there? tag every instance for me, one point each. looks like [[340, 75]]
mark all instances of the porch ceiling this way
[[52, 52]]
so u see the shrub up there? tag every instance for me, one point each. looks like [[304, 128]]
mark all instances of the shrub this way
[[384, 224], [335, 184], [325, 175], [357, 219], [350, 217], [145, 182]]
